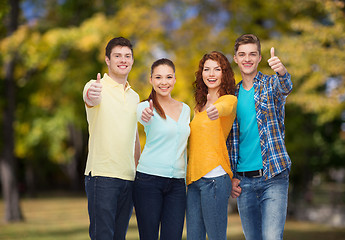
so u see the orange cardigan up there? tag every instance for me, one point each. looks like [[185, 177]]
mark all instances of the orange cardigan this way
[[207, 141]]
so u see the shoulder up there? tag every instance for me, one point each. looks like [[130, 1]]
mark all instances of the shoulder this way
[[143, 104], [185, 106], [133, 93], [228, 98]]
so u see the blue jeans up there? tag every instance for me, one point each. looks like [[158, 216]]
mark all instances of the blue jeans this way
[[262, 206], [207, 208], [110, 207], [159, 201]]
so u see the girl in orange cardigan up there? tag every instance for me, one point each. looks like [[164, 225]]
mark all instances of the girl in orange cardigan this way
[[208, 170]]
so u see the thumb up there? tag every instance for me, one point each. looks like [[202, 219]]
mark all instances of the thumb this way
[[151, 105], [98, 78], [272, 52], [208, 100]]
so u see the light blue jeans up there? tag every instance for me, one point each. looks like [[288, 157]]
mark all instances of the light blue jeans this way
[[207, 208], [262, 206]]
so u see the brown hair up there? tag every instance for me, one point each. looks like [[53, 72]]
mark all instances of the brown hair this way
[[247, 39], [227, 85], [118, 41], [153, 96]]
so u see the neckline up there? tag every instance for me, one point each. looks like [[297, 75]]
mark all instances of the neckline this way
[[178, 119]]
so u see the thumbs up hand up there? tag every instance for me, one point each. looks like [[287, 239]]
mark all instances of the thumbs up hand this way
[[211, 110], [94, 93], [147, 112], [276, 64]]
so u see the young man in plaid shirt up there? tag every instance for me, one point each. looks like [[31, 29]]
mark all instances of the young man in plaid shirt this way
[[256, 146]]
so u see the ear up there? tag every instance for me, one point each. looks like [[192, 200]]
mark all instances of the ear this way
[[107, 61], [150, 80], [235, 59], [260, 58]]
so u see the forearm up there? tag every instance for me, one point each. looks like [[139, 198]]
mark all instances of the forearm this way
[[285, 83], [137, 150]]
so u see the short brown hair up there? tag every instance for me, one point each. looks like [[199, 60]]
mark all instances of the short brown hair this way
[[247, 39], [118, 41]]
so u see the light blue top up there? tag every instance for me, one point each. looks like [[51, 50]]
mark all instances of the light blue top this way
[[165, 151], [250, 158]]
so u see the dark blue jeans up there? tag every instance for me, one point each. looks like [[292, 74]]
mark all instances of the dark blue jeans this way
[[110, 207], [159, 201]]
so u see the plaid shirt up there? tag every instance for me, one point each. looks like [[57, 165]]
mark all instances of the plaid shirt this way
[[270, 93]]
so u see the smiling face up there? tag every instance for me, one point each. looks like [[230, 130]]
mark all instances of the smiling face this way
[[212, 74], [120, 62], [163, 80], [248, 58]]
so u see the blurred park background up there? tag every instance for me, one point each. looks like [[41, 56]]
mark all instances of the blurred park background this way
[[49, 49]]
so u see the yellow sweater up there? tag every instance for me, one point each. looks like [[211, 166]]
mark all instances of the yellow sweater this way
[[207, 141]]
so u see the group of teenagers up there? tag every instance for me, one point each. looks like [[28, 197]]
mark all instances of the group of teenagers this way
[[235, 148]]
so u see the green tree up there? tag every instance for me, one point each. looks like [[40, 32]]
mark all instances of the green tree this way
[[8, 163]]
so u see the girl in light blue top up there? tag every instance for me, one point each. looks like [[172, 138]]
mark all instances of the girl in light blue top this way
[[159, 188]]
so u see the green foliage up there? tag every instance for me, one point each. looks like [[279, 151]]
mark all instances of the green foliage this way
[[64, 49]]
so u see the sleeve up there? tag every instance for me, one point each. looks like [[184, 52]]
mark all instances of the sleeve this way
[[283, 84], [226, 105], [188, 112], [86, 87], [140, 108]]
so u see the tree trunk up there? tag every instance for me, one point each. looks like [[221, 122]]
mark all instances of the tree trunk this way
[[76, 140], [8, 162]]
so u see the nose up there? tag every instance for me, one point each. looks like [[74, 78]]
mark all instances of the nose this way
[[246, 57], [211, 72]]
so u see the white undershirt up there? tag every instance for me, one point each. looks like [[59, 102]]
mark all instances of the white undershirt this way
[[216, 172]]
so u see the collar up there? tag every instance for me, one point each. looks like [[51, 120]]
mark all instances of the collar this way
[[108, 80]]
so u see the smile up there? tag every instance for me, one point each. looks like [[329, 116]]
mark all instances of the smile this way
[[212, 80]]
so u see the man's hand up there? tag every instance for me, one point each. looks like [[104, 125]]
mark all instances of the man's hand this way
[[147, 112], [211, 110], [276, 64], [236, 189], [94, 93]]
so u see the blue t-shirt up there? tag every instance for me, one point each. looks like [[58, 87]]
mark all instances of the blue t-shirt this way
[[250, 158], [165, 151]]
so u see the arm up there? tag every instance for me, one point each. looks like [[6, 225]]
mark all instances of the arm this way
[[145, 112], [92, 94], [283, 81], [137, 149], [226, 105]]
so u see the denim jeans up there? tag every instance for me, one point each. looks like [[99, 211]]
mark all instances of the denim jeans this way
[[110, 207], [159, 201], [262, 206], [207, 208]]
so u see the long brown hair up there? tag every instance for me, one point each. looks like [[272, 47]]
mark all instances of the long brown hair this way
[[153, 94], [227, 85]]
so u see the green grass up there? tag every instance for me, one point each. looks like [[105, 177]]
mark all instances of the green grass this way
[[55, 218]]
